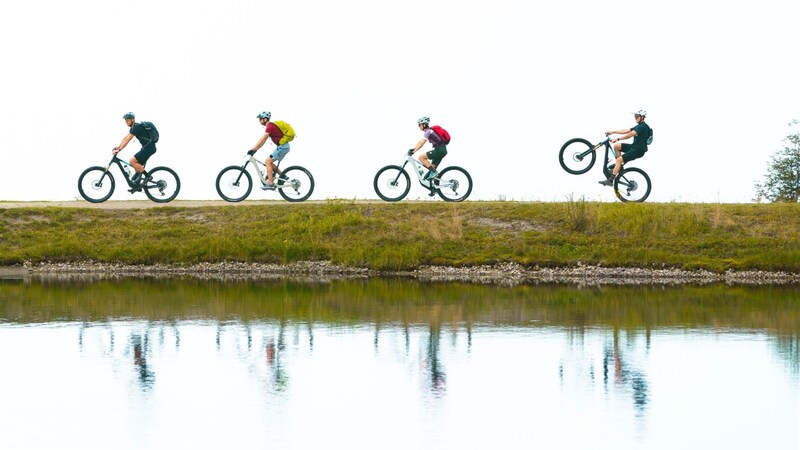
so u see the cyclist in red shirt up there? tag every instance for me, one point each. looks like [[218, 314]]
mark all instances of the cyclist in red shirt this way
[[270, 132]]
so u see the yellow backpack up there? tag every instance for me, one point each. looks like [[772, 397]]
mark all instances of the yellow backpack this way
[[287, 130]]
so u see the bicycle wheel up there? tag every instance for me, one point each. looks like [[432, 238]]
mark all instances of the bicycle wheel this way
[[576, 156], [234, 184], [453, 184], [392, 183], [295, 184], [96, 185], [163, 185], [632, 185]]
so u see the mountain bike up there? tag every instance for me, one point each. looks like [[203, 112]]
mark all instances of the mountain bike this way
[[294, 183], [578, 155], [96, 184], [392, 183]]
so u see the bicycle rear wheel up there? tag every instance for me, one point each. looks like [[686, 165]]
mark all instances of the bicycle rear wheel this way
[[576, 156], [632, 185], [295, 184], [234, 184], [453, 184], [162, 185], [392, 183], [96, 184]]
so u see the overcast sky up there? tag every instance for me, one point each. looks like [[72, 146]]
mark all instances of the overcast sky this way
[[510, 80]]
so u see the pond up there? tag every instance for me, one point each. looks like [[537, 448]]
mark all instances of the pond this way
[[393, 363]]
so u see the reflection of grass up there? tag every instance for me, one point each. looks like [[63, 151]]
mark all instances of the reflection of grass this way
[[406, 235], [775, 309]]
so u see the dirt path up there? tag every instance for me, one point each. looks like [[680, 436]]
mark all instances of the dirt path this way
[[142, 204]]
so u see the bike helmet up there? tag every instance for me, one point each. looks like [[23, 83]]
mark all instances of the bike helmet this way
[[264, 115], [641, 112], [129, 115], [424, 121]]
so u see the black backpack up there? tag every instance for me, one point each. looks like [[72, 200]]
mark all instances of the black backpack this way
[[649, 138], [152, 132]]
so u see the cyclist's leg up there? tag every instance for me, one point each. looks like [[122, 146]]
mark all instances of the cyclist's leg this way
[[434, 157], [276, 156], [140, 158], [633, 153], [619, 152], [424, 159]]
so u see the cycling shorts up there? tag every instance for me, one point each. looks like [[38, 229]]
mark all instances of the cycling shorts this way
[[629, 152], [437, 154], [279, 152], [145, 153]]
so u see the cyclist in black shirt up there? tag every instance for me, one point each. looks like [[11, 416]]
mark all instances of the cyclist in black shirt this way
[[628, 152], [148, 145]]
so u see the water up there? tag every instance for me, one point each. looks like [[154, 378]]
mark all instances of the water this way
[[396, 364]]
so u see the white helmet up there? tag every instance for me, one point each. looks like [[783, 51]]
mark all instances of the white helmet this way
[[423, 120], [641, 112], [264, 115]]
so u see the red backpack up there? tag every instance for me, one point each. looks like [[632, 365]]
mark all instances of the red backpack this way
[[442, 133]]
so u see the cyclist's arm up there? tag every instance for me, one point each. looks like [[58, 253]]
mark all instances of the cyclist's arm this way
[[261, 141], [124, 142], [625, 133], [419, 145]]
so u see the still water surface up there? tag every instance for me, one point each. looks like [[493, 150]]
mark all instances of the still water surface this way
[[183, 363]]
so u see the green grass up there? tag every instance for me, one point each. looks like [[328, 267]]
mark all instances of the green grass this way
[[406, 235]]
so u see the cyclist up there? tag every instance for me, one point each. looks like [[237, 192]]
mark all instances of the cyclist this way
[[432, 158], [628, 152], [138, 131], [270, 132]]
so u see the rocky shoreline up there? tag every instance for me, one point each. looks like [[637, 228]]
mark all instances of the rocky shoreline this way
[[506, 274]]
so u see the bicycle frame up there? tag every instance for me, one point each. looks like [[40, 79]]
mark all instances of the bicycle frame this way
[[262, 173], [419, 170], [121, 163]]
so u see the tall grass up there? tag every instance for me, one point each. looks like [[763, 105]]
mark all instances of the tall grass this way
[[406, 235]]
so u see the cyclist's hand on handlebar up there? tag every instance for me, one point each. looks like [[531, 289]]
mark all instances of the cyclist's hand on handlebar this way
[[410, 151], [116, 150], [251, 152]]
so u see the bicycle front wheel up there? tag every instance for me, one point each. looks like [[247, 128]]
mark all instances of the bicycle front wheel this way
[[295, 184], [162, 185], [96, 184], [453, 184], [392, 183], [576, 156], [234, 184], [632, 185]]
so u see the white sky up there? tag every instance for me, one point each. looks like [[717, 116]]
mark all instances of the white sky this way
[[510, 80]]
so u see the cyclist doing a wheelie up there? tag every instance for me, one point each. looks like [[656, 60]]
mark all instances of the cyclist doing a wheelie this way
[[432, 158], [147, 135], [624, 153]]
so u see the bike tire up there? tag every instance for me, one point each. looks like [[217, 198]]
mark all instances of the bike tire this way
[[100, 181], [633, 180], [392, 179], [568, 156], [295, 184], [232, 181], [453, 184], [163, 185]]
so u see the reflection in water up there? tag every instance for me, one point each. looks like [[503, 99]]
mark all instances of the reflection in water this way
[[145, 374], [339, 352], [624, 374], [435, 368]]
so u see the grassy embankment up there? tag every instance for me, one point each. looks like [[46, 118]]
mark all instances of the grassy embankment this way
[[405, 235]]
